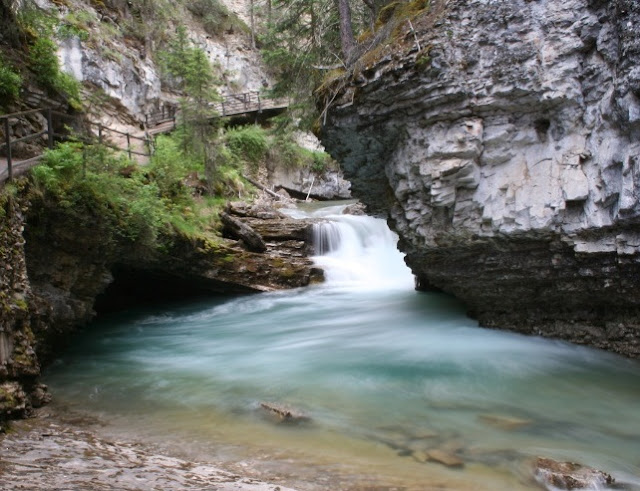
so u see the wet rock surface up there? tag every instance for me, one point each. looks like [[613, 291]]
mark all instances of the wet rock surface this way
[[570, 475], [57, 451], [505, 152]]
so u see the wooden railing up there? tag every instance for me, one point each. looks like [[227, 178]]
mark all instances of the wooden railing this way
[[230, 105], [63, 127], [79, 129]]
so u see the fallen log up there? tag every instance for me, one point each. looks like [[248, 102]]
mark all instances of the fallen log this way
[[244, 232], [264, 188]]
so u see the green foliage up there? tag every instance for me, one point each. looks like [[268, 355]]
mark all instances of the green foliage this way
[[303, 42], [249, 143], [76, 24], [88, 182], [70, 87], [169, 166], [286, 152], [10, 81], [44, 62], [215, 17], [35, 22]]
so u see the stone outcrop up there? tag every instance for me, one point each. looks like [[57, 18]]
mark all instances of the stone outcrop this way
[[570, 475], [504, 146], [73, 258], [19, 366], [125, 69], [300, 182]]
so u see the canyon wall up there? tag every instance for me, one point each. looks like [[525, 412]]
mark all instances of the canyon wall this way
[[503, 144], [19, 365]]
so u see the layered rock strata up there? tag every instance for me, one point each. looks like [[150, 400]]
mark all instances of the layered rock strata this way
[[503, 143]]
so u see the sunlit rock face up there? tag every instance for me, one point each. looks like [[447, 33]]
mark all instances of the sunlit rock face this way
[[505, 150]]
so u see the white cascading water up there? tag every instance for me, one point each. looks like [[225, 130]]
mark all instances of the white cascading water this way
[[359, 251]]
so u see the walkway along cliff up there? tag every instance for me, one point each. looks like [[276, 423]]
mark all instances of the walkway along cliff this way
[[502, 140]]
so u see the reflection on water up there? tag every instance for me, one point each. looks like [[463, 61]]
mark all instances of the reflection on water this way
[[386, 373]]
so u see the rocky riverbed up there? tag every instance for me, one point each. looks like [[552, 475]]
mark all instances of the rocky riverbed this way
[[63, 450]]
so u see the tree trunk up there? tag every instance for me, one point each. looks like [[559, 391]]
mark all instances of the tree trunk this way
[[253, 24], [347, 40], [244, 232]]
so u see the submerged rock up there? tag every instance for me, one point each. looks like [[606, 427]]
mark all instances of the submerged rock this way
[[439, 456], [570, 475], [285, 414], [508, 423]]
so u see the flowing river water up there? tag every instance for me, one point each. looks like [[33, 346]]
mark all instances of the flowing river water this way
[[383, 372]]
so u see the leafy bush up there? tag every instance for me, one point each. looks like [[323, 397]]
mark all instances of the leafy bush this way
[[44, 61], [10, 82], [86, 182], [288, 153], [169, 165], [46, 67], [215, 17], [249, 143]]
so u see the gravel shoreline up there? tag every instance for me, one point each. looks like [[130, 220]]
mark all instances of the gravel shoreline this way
[[59, 450]]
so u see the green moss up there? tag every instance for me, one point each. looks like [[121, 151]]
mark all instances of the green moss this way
[[7, 400], [288, 272], [21, 304]]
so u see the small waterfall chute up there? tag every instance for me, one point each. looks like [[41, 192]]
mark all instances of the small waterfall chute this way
[[360, 251]]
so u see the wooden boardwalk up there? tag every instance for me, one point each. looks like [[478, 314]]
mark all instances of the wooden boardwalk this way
[[245, 107]]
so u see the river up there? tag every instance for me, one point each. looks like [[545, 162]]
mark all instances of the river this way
[[383, 372]]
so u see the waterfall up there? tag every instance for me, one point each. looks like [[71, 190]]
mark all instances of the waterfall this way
[[359, 251]]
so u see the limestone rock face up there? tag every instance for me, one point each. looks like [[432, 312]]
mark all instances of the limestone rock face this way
[[505, 150], [300, 182]]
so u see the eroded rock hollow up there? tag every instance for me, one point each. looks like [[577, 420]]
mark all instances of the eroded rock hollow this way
[[503, 143]]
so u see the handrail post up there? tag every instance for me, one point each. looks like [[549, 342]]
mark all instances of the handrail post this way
[[259, 103], [100, 134], [129, 145], [7, 137], [223, 112], [50, 128]]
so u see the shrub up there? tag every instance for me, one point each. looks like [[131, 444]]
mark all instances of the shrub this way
[[249, 143], [44, 61], [10, 82], [46, 67], [215, 17]]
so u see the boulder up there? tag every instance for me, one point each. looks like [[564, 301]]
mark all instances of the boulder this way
[[570, 475]]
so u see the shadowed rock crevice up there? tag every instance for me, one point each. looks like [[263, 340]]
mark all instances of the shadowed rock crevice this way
[[137, 287]]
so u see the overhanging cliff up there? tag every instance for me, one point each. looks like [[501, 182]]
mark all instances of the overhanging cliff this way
[[504, 146]]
